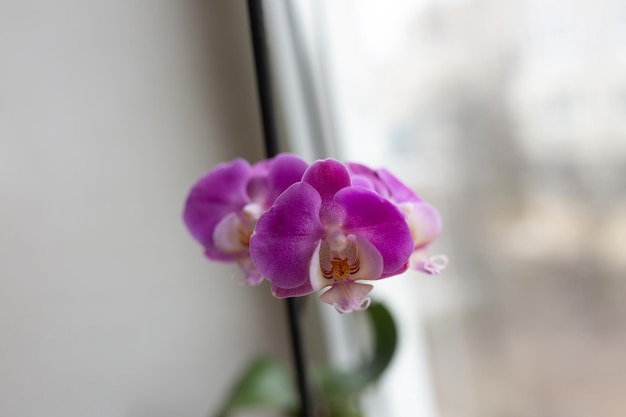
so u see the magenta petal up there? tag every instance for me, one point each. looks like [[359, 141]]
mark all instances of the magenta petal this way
[[251, 275], [300, 291], [286, 236], [398, 191], [380, 222], [402, 270], [271, 177], [261, 168], [327, 177], [359, 169], [258, 189], [364, 182], [220, 192], [284, 171], [216, 255], [366, 177]]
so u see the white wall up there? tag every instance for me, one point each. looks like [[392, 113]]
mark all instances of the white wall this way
[[109, 111]]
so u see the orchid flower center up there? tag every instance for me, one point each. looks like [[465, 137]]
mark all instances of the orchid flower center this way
[[339, 257], [340, 268], [244, 235], [250, 214]]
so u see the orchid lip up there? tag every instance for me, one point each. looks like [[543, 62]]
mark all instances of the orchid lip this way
[[348, 296], [357, 260], [339, 264]]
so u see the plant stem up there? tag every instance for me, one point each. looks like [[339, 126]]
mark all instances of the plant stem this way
[[270, 134], [293, 312], [263, 76]]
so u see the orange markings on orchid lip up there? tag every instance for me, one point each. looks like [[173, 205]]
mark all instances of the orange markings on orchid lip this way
[[244, 237], [340, 268], [339, 265]]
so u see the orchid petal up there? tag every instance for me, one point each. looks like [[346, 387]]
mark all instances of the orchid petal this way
[[300, 291], [348, 296], [221, 191], [261, 168], [328, 177], [216, 255], [380, 222], [366, 177], [258, 188], [227, 236], [398, 191], [432, 265], [424, 222], [316, 276], [371, 261], [251, 275], [286, 236], [364, 182], [285, 170], [269, 178], [356, 168], [402, 270]]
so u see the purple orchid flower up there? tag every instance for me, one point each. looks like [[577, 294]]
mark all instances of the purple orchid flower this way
[[423, 219], [224, 205], [324, 232]]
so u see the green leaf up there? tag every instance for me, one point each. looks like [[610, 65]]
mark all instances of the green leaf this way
[[385, 339], [265, 384], [340, 389]]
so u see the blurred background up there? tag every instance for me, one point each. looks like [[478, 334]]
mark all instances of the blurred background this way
[[509, 116], [109, 112]]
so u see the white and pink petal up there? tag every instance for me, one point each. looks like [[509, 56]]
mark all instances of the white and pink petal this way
[[348, 296]]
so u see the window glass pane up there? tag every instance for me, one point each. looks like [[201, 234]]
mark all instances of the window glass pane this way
[[510, 116]]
